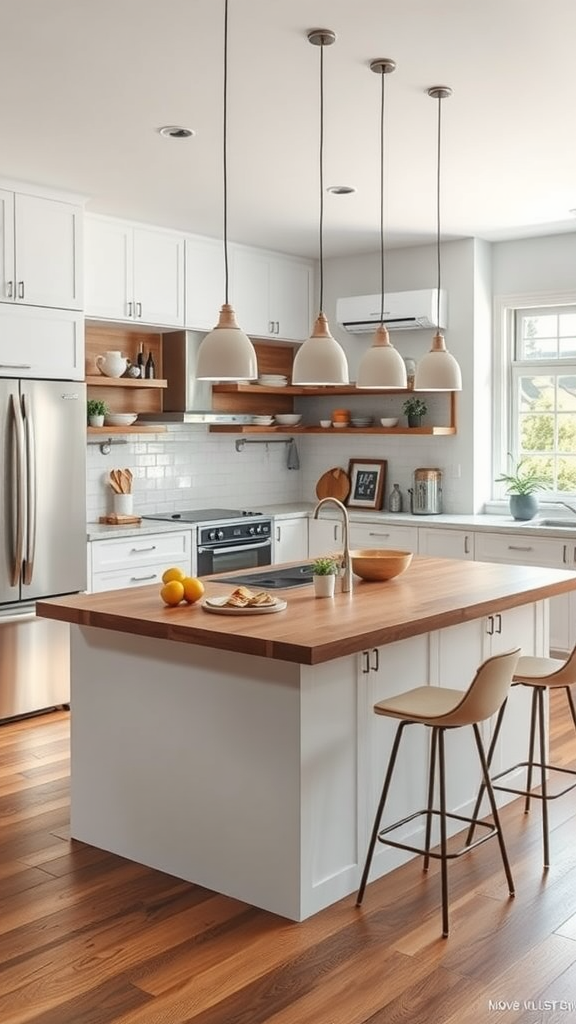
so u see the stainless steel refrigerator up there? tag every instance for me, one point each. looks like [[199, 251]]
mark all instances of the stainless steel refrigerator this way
[[42, 535]]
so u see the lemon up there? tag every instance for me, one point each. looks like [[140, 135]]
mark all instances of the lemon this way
[[193, 589], [172, 592], [173, 574]]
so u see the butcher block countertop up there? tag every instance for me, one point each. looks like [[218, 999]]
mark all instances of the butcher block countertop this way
[[432, 594]]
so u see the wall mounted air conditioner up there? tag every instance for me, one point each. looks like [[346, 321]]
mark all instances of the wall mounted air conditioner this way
[[403, 311]]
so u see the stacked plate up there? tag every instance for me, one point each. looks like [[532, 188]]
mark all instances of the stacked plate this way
[[273, 380], [262, 421], [361, 421]]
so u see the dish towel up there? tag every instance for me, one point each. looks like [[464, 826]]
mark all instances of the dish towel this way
[[292, 460]]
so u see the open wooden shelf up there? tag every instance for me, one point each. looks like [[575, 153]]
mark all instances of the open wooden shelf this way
[[142, 428], [226, 428], [125, 382]]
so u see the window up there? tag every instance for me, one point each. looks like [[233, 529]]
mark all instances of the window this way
[[543, 394]]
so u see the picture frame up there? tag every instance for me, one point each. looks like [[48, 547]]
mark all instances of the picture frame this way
[[367, 480]]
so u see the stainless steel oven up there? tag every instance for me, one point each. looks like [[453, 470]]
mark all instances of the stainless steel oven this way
[[228, 546]]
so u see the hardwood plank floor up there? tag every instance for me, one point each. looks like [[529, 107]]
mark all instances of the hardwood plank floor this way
[[89, 938]]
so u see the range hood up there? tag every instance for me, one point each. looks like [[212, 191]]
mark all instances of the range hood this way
[[186, 399]]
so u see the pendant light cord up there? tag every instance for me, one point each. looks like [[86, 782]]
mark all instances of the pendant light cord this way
[[321, 221], [438, 214], [224, 152], [382, 97]]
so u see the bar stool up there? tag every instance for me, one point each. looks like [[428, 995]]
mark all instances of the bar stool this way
[[541, 674], [441, 709]]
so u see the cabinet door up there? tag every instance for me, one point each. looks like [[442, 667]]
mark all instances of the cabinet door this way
[[7, 273], [205, 284], [108, 262], [158, 277], [446, 543], [48, 251], [364, 535], [290, 540], [45, 343], [290, 298], [250, 289], [324, 537]]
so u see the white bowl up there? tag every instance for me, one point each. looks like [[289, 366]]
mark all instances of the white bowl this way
[[338, 424], [389, 421], [325, 423], [288, 419], [120, 419]]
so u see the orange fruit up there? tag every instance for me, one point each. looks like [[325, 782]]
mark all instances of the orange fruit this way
[[172, 592], [193, 589], [173, 574]]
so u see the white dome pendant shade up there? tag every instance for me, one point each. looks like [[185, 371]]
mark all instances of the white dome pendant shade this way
[[226, 353], [382, 365], [320, 360], [438, 369]]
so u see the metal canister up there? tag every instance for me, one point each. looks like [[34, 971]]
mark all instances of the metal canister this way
[[426, 497]]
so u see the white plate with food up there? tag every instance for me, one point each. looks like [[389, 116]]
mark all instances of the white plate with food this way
[[243, 601]]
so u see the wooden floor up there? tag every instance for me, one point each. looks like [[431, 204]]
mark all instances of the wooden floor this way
[[89, 938]]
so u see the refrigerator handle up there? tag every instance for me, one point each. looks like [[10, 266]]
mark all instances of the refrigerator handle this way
[[30, 491], [19, 490]]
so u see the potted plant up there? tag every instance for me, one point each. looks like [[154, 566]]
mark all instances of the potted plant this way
[[415, 409], [521, 484], [324, 572], [96, 412]]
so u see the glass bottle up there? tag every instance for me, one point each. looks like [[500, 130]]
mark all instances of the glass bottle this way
[[140, 360], [150, 367], [395, 502]]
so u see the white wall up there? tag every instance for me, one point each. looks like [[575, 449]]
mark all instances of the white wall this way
[[534, 265]]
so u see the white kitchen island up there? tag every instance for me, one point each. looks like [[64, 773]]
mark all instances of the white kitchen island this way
[[242, 754]]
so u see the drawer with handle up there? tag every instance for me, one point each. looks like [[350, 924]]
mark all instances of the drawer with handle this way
[[149, 548], [523, 550]]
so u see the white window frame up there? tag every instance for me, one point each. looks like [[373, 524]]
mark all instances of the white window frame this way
[[504, 437]]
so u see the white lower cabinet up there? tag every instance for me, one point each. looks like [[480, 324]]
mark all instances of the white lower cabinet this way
[[138, 561], [445, 543], [290, 540], [365, 535], [324, 537]]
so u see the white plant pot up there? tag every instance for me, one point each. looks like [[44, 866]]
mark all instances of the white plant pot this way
[[96, 421], [324, 585]]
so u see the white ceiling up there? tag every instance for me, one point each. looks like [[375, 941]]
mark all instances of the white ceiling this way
[[85, 85]]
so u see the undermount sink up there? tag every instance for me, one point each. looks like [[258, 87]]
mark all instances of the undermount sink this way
[[272, 579], [561, 524]]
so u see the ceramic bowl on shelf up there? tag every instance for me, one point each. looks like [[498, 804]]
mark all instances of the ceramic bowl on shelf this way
[[325, 423], [339, 424], [287, 419], [262, 421], [389, 421], [120, 419], [379, 563]]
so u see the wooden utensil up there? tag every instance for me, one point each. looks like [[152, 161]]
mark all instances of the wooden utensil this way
[[129, 476], [334, 483], [114, 482]]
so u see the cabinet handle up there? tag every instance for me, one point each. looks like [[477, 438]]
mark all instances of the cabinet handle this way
[[142, 579], [271, 327], [20, 289], [130, 309], [518, 547], [365, 663], [375, 659], [278, 533], [565, 554], [466, 545], [490, 626], [574, 555], [10, 289], [277, 327], [374, 533], [498, 623], [151, 547], [336, 531], [139, 310]]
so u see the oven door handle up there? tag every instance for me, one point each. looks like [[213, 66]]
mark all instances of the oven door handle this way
[[234, 550]]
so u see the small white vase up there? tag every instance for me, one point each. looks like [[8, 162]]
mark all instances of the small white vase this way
[[324, 585], [96, 421], [112, 364]]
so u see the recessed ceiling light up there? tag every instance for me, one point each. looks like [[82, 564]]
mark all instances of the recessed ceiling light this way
[[174, 131], [341, 190]]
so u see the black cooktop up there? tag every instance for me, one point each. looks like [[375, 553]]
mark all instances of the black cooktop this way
[[201, 515]]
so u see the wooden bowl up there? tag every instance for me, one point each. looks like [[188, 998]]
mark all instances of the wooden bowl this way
[[379, 564]]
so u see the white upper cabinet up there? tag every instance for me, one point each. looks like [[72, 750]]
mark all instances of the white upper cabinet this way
[[40, 251], [41, 342], [134, 273], [272, 294], [205, 282]]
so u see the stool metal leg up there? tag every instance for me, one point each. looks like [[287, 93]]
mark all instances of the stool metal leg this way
[[571, 704], [533, 716], [380, 811], [543, 781], [489, 757], [494, 808], [431, 779], [443, 841]]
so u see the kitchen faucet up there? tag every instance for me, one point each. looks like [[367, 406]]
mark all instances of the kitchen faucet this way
[[346, 561], [566, 505]]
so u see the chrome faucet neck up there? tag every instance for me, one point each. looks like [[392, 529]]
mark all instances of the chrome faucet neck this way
[[346, 571]]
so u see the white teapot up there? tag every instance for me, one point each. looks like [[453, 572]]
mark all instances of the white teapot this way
[[112, 364]]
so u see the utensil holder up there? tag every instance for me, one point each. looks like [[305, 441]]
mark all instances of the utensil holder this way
[[123, 504]]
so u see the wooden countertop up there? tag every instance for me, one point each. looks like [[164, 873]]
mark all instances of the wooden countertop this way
[[432, 594]]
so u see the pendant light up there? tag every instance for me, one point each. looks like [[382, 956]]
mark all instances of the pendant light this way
[[381, 365], [320, 360], [438, 370], [226, 353]]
